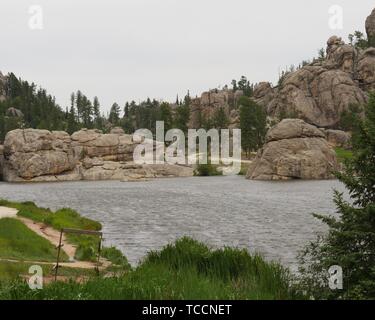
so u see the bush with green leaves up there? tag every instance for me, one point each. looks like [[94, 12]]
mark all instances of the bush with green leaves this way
[[207, 170]]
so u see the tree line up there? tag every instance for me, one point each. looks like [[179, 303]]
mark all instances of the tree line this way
[[27, 106]]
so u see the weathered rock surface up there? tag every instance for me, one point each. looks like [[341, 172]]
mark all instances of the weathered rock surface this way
[[41, 155], [370, 28], [366, 69], [263, 93], [338, 138], [210, 102], [317, 95], [31, 153], [13, 112], [294, 150]]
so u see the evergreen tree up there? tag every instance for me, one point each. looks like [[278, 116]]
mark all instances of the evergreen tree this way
[[220, 120], [350, 242], [72, 123], [166, 116], [234, 85], [38, 108], [126, 110], [187, 99], [253, 125], [114, 114], [79, 105], [182, 117], [245, 86]]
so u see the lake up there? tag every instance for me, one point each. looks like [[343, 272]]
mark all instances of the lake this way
[[272, 218]]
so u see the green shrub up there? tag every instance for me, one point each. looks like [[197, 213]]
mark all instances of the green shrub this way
[[115, 256], [206, 170]]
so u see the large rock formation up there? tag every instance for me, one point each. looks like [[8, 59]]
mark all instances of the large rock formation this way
[[317, 95], [209, 102], [370, 28], [366, 69], [41, 155], [319, 92], [294, 150], [32, 153]]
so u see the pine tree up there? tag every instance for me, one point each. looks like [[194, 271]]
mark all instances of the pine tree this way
[[98, 121], [79, 105], [350, 242], [182, 117], [114, 114], [220, 120], [253, 125], [126, 110], [166, 116]]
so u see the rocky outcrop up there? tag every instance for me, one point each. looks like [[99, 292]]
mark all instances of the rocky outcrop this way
[[263, 93], [41, 155], [370, 28], [319, 92], [338, 138], [13, 112], [294, 150], [317, 95], [32, 153], [209, 102], [366, 69]]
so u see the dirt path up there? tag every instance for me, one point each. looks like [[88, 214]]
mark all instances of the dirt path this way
[[52, 236], [75, 264], [8, 212]]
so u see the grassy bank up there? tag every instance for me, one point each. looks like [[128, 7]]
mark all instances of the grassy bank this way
[[184, 270], [19, 242], [63, 218]]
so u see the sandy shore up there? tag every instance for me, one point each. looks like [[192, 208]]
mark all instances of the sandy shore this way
[[8, 212]]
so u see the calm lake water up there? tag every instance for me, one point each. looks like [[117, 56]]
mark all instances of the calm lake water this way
[[273, 218]]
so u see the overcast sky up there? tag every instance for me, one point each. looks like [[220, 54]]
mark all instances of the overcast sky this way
[[134, 49]]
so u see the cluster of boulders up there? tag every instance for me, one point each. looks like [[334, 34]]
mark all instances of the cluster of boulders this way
[[42, 155]]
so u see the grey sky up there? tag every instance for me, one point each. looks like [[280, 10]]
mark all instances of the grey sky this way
[[134, 49]]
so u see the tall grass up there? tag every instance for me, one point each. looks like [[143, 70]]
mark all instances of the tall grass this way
[[184, 270], [18, 242]]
